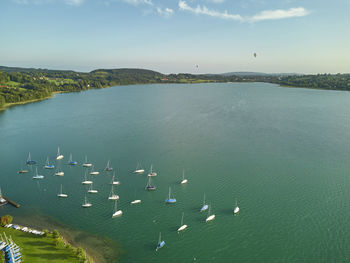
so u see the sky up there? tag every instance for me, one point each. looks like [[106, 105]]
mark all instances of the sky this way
[[173, 36]]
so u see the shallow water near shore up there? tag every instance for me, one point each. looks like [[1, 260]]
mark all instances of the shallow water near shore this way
[[283, 153]]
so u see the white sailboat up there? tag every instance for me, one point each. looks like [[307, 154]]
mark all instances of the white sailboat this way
[[59, 172], [61, 194], [151, 173], [48, 165], [59, 155], [114, 182], [86, 181], [137, 201], [37, 176], [112, 195], [86, 163], [182, 227], [93, 172], [210, 217], [86, 204], [139, 169], [108, 166], [236, 210], [184, 181], [91, 190], [205, 206], [116, 211]]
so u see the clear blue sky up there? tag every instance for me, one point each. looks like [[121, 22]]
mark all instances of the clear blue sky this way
[[304, 36]]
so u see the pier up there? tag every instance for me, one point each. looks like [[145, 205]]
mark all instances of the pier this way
[[12, 202]]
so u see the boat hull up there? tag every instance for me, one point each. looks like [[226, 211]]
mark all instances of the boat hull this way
[[114, 197], [236, 210], [140, 171], [181, 228], [184, 181], [135, 202], [204, 208], [86, 205], [87, 182], [160, 245], [87, 164], [210, 218], [59, 157], [62, 195], [118, 213], [170, 201], [93, 191]]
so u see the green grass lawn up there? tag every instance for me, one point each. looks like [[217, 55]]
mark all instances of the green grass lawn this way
[[1, 258], [39, 249]]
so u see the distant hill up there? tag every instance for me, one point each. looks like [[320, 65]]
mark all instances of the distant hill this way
[[247, 73]]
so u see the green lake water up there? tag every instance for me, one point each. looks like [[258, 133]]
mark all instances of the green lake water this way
[[282, 152]]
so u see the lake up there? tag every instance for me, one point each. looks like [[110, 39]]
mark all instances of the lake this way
[[282, 152]]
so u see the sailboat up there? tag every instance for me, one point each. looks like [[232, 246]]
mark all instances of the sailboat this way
[[59, 172], [93, 172], [61, 194], [112, 195], [170, 200], [2, 199], [136, 201], [86, 204], [30, 161], [23, 171], [182, 227], [92, 191], [236, 210], [59, 155], [71, 162], [210, 217], [139, 169], [86, 164], [114, 182], [150, 187], [116, 211], [108, 167], [205, 206], [86, 181], [48, 165], [151, 173], [38, 176], [161, 243], [184, 181]]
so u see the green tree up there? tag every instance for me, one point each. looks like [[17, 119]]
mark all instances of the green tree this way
[[55, 234], [6, 219]]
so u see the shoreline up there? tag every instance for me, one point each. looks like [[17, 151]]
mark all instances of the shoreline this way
[[98, 249]]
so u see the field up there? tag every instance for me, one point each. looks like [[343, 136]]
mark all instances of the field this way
[[39, 249]]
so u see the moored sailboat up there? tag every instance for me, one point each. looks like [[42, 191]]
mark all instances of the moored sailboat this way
[[184, 181], [170, 200], [150, 187], [86, 204], [86, 163], [108, 166], [113, 182], [59, 155], [112, 195], [210, 217], [236, 210], [59, 172], [139, 169], [205, 206], [182, 227], [37, 176], [93, 172], [161, 243], [91, 190], [61, 194], [48, 165], [116, 211], [30, 161], [151, 172], [86, 181], [71, 162]]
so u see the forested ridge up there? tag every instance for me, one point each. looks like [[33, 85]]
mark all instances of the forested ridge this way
[[25, 84]]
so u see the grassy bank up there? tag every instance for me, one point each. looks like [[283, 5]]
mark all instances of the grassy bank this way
[[40, 249]]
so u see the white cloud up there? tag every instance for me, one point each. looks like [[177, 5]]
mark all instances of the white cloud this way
[[166, 12], [199, 10], [264, 15], [279, 14], [74, 2], [139, 2]]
